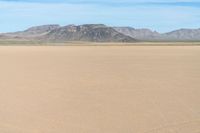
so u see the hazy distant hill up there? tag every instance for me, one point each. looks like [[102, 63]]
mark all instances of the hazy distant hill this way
[[40, 29], [183, 34], [99, 33], [148, 35], [140, 34], [31, 33]]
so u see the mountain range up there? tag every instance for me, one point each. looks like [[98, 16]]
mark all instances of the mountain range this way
[[99, 33]]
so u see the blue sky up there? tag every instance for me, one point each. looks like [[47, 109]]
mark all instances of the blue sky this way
[[159, 15]]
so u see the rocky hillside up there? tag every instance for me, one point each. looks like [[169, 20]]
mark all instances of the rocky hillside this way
[[90, 32]]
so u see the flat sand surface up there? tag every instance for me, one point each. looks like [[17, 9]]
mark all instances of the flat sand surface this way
[[98, 89]]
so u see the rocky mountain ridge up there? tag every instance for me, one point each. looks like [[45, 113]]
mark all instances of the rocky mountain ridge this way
[[99, 33]]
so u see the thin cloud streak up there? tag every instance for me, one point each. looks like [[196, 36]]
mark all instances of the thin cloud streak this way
[[193, 3]]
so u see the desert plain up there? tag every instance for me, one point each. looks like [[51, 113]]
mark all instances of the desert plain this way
[[99, 89]]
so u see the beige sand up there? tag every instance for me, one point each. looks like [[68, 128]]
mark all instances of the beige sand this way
[[98, 89]]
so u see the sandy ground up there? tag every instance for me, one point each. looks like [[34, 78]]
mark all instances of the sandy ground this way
[[98, 89]]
